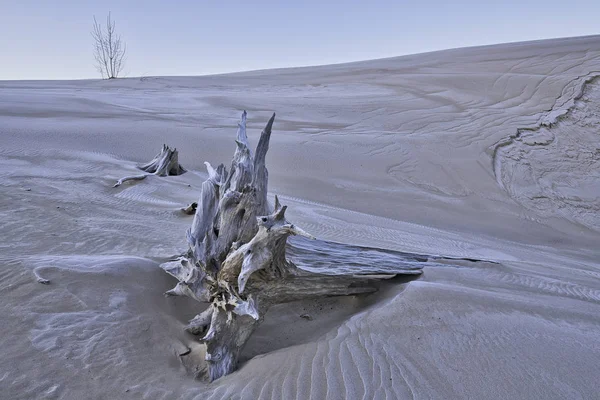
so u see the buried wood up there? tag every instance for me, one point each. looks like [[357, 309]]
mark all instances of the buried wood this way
[[190, 209], [164, 163], [237, 260]]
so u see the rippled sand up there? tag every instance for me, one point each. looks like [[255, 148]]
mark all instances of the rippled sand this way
[[490, 153]]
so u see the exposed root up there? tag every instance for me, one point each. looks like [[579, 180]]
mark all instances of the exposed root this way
[[130, 178], [237, 261], [200, 323]]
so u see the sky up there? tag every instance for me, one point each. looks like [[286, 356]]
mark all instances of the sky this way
[[50, 39]]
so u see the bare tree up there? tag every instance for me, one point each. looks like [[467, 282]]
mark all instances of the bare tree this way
[[109, 49]]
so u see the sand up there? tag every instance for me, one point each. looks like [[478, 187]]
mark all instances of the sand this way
[[488, 152]]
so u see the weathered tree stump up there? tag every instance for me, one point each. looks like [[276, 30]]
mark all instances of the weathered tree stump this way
[[237, 261], [164, 164]]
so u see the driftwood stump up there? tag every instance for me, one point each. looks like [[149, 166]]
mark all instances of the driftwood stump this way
[[164, 164], [237, 261]]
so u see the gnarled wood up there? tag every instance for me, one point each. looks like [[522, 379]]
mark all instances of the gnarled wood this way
[[237, 260], [164, 163], [200, 323]]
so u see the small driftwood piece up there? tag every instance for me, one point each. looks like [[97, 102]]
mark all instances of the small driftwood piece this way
[[164, 164], [190, 209], [39, 278], [236, 261]]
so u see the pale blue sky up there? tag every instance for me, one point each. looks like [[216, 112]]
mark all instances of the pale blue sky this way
[[51, 40]]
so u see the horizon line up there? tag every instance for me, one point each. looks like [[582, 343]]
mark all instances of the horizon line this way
[[524, 42]]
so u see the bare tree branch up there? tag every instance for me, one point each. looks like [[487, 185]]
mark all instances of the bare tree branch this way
[[109, 49]]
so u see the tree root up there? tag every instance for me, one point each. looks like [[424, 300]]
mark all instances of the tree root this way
[[236, 260]]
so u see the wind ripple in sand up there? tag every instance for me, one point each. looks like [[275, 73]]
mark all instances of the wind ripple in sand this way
[[59, 202], [540, 284], [99, 317], [555, 169], [461, 332]]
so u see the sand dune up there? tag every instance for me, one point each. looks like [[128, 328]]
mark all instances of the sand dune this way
[[488, 153], [555, 169]]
